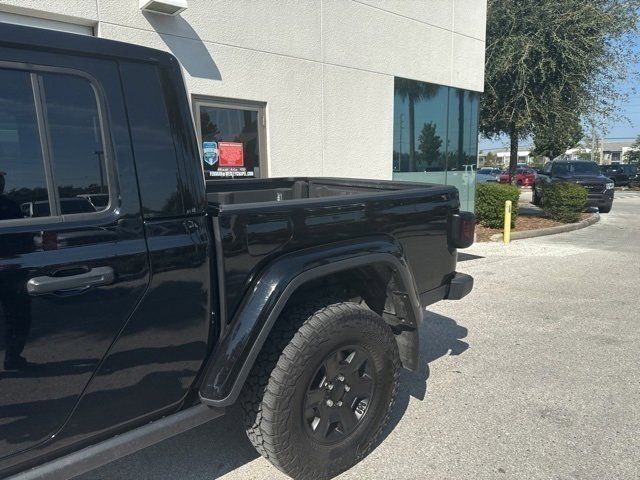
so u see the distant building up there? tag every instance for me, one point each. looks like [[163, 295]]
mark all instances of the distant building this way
[[613, 151], [501, 157], [578, 153], [610, 151]]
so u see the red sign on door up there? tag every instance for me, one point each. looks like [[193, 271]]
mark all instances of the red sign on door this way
[[231, 154]]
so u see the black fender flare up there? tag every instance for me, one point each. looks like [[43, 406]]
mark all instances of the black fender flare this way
[[236, 351]]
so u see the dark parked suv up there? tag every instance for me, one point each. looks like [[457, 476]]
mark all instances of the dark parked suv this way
[[622, 175], [585, 173]]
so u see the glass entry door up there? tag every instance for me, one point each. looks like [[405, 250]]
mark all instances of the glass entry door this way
[[231, 137]]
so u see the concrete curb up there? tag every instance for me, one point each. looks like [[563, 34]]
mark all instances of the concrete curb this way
[[550, 230]]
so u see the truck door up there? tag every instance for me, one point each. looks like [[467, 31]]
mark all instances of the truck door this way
[[73, 259]]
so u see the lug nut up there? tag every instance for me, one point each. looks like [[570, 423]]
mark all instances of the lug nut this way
[[329, 403], [329, 386], [339, 403], [347, 388], [340, 378]]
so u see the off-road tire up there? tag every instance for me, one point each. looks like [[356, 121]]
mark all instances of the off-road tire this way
[[273, 396]]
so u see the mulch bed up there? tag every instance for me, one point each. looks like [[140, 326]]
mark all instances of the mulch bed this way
[[528, 222]]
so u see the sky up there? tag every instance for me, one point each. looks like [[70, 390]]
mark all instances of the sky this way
[[620, 129]]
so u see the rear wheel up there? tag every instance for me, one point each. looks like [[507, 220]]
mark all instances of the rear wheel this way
[[322, 389]]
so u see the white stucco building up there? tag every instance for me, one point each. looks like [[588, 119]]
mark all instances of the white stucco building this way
[[309, 85]]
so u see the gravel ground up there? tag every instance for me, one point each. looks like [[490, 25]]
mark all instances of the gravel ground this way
[[535, 375]]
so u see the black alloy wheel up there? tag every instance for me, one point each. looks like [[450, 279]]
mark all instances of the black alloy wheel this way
[[338, 397]]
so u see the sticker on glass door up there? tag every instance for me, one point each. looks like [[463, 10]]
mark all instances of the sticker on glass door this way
[[231, 161], [210, 153]]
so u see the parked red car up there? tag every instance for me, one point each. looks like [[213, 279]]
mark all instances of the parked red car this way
[[524, 177]]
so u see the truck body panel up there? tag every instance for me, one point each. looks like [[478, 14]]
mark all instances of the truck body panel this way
[[255, 227], [196, 274]]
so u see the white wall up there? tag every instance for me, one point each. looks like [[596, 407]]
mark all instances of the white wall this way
[[324, 68]]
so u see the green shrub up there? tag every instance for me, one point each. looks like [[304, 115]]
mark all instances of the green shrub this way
[[490, 198], [564, 201]]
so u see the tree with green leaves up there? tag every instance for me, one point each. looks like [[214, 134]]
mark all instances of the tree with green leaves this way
[[633, 155], [553, 137], [548, 60]]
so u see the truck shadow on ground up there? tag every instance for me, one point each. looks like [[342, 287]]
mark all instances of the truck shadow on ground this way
[[465, 257], [220, 446], [439, 336]]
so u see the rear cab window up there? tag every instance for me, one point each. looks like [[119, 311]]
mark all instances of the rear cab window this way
[[52, 155]]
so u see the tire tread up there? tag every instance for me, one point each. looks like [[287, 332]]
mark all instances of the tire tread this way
[[270, 384]]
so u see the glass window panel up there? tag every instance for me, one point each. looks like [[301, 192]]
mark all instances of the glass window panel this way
[[230, 126], [455, 117], [23, 191], [420, 126], [435, 137], [462, 148], [77, 152], [161, 190]]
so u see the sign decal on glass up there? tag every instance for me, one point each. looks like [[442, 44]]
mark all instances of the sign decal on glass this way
[[231, 154], [210, 152]]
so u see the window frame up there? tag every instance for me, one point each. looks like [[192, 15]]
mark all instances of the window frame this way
[[198, 101], [37, 89]]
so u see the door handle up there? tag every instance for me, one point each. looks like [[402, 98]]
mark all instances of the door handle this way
[[94, 277]]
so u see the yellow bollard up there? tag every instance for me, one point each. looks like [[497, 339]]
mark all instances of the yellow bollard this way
[[506, 236]]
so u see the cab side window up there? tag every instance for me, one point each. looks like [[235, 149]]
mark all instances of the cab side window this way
[[52, 158], [22, 177]]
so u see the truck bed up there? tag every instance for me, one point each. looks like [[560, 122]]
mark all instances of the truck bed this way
[[259, 219], [238, 192]]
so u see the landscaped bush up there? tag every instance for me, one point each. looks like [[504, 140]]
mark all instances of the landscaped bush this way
[[564, 201], [490, 198]]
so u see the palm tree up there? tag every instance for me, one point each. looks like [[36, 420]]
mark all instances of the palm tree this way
[[413, 91]]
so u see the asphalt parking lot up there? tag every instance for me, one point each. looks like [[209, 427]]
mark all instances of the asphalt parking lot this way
[[535, 375]]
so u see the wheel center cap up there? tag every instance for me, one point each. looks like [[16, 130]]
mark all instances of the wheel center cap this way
[[337, 388], [337, 393]]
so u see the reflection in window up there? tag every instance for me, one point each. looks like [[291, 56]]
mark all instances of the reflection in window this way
[[72, 129], [420, 127], [22, 179], [435, 135], [76, 143], [435, 127], [462, 150], [230, 130]]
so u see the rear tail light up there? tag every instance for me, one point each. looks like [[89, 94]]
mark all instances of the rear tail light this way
[[462, 227]]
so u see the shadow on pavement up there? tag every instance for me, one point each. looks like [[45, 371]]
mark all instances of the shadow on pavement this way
[[220, 446], [205, 452], [464, 257], [528, 209], [439, 336]]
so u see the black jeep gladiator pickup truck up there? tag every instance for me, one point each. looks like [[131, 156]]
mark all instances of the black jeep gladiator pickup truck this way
[[599, 188], [138, 300], [622, 175]]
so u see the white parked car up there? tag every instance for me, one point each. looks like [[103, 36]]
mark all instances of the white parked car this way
[[488, 174]]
